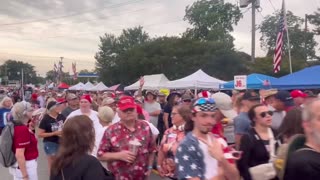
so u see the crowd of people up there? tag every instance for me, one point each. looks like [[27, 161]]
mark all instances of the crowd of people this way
[[253, 135]]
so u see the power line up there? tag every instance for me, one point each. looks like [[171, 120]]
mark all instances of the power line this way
[[260, 12], [245, 11], [272, 5], [73, 14]]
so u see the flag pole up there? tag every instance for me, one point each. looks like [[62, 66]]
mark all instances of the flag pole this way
[[289, 50]]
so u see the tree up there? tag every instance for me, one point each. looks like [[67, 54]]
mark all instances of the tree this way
[[66, 78], [13, 69], [315, 20], [212, 20], [265, 66], [176, 57], [111, 49], [298, 37]]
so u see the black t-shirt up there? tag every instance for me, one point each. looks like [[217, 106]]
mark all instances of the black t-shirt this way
[[86, 168], [49, 124], [67, 111], [304, 164], [168, 109]]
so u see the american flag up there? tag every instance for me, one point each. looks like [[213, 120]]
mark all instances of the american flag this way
[[74, 69], [55, 68], [279, 43]]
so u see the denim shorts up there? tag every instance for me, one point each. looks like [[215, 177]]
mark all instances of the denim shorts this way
[[50, 148]]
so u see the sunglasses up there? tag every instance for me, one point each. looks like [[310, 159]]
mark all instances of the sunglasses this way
[[129, 110], [264, 114], [187, 100], [204, 101]]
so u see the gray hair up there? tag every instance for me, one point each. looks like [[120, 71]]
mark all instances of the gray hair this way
[[19, 111], [6, 98], [307, 114], [106, 114]]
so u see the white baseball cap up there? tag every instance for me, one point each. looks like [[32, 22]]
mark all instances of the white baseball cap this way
[[224, 104]]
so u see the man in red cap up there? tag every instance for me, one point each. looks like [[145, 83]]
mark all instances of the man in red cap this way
[[85, 109], [298, 97], [128, 145]]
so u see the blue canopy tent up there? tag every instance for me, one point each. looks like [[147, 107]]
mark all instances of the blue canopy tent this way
[[254, 81], [308, 78]]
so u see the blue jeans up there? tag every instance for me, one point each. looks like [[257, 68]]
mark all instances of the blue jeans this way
[[50, 148]]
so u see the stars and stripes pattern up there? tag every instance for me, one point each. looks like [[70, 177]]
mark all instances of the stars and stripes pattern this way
[[55, 68], [74, 69], [279, 43]]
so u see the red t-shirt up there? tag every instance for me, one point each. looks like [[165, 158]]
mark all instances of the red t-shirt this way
[[23, 138]]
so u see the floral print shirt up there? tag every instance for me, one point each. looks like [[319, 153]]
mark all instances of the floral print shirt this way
[[116, 138]]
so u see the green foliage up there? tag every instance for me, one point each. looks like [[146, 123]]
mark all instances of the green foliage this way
[[175, 57], [52, 76], [208, 45], [111, 50], [12, 69], [212, 20], [298, 37], [265, 66], [315, 20]]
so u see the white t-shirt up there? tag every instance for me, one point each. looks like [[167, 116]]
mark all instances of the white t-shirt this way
[[99, 136], [154, 130], [211, 164], [116, 118], [42, 103], [93, 116], [152, 107]]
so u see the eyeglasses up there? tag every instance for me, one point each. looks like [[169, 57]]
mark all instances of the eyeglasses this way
[[264, 114], [187, 100], [204, 101]]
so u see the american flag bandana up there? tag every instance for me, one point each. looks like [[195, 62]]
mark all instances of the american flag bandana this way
[[205, 105]]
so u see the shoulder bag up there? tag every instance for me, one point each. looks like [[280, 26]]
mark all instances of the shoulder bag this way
[[265, 171]]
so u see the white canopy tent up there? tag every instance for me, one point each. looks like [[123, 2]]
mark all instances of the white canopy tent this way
[[151, 82], [50, 86], [197, 80], [77, 87], [99, 87], [87, 86]]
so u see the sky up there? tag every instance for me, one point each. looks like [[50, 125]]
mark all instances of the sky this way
[[41, 31]]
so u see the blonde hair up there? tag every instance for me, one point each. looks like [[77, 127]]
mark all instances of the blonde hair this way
[[19, 111], [106, 114], [4, 100]]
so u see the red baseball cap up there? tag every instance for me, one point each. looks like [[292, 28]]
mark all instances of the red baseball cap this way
[[86, 97], [61, 100], [298, 93], [126, 102]]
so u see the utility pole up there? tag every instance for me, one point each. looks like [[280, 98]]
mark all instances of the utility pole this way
[[253, 31], [60, 70], [305, 37], [22, 83]]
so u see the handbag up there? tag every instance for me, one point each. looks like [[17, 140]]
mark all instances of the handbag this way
[[265, 171]]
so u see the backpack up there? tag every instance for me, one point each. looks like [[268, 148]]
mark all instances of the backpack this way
[[7, 156], [295, 143]]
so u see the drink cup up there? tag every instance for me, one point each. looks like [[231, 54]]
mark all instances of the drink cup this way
[[134, 146]]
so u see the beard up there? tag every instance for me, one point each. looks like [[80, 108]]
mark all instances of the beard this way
[[205, 130]]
